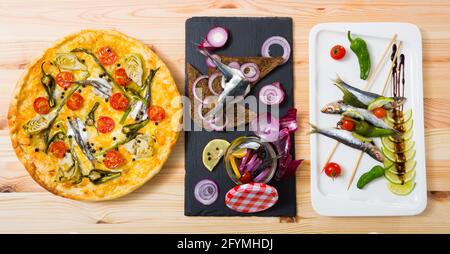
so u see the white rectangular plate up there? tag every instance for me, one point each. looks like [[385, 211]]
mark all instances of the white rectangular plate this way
[[331, 198]]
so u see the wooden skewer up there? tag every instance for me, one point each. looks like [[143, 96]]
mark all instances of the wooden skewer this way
[[354, 169], [380, 63], [331, 154], [372, 77], [382, 93]]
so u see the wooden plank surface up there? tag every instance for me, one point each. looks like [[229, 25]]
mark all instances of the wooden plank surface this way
[[28, 27]]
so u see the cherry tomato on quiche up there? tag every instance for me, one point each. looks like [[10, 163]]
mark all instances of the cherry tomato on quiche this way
[[105, 124], [75, 101], [41, 105], [118, 101], [347, 124], [156, 113], [121, 77], [337, 52], [379, 112], [64, 79], [113, 159], [106, 56], [332, 169], [58, 149]]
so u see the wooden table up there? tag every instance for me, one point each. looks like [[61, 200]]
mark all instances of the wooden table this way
[[29, 27]]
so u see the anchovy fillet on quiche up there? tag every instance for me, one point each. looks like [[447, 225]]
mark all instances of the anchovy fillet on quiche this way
[[96, 116]]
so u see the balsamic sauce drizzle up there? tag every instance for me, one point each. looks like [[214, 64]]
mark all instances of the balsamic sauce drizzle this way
[[398, 90]]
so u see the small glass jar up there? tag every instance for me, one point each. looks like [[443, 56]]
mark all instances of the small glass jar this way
[[267, 167]]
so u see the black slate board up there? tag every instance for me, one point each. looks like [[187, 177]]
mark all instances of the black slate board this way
[[246, 38]]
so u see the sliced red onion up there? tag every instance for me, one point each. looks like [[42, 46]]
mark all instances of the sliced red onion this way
[[195, 85], [204, 44], [289, 120], [286, 165], [266, 127], [252, 167], [283, 144], [216, 127], [265, 49], [235, 65], [217, 37], [211, 82], [210, 63], [245, 159], [206, 192], [261, 176], [250, 163], [251, 71], [210, 100], [272, 94]]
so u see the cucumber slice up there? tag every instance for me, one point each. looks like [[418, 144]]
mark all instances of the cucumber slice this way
[[379, 102], [409, 165], [400, 189], [362, 138], [389, 145], [394, 156], [397, 179], [406, 117]]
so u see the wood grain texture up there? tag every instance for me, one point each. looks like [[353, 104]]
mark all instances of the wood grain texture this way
[[29, 27]]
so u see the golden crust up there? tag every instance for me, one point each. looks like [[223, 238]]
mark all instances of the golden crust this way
[[133, 177]]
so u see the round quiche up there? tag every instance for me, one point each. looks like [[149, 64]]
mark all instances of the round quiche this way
[[96, 116]]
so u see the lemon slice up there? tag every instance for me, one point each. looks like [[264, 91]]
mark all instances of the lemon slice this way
[[240, 153], [406, 117], [389, 145], [353, 114], [409, 165], [213, 152], [401, 189], [379, 102], [406, 136], [408, 155], [393, 178]]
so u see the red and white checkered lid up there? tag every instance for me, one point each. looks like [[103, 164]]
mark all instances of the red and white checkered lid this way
[[251, 197]]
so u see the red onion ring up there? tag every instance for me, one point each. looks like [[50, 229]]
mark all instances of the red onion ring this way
[[218, 127], [206, 191], [253, 71], [217, 37], [266, 127], [272, 94], [211, 82], [235, 65], [204, 44], [194, 86], [210, 63], [265, 49], [211, 123]]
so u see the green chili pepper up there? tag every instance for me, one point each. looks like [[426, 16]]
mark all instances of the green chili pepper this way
[[60, 135], [48, 82], [359, 47], [365, 129], [98, 176], [147, 85], [134, 127], [90, 121], [369, 176]]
